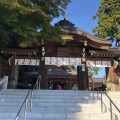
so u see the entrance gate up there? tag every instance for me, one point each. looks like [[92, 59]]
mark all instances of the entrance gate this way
[[77, 48]]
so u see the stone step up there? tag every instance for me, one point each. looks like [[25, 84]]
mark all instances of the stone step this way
[[64, 100], [66, 104], [61, 116], [13, 96], [49, 100], [65, 92], [65, 109], [50, 108]]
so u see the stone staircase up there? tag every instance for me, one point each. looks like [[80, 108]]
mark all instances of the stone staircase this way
[[53, 105], [115, 97], [10, 102]]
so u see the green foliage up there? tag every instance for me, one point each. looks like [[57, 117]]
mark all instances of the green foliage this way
[[24, 17], [72, 67], [108, 16], [93, 70]]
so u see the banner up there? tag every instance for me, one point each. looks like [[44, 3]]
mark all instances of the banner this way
[[27, 62], [98, 63], [62, 61]]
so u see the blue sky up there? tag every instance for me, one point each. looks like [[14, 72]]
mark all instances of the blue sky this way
[[80, 13]]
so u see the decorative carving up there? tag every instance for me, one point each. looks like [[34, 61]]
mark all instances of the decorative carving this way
[[23, 44], [104, 47]]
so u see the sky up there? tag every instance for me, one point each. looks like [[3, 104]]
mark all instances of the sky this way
[[80, 13]]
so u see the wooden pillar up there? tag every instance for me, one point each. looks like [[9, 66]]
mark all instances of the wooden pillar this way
[[79, 76], [82, 74], [43, 71], [106, 72], [111, 74], [87, 79]]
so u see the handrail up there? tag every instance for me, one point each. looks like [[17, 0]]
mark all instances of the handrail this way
[[37, 85], [24, 102], [111, 102]]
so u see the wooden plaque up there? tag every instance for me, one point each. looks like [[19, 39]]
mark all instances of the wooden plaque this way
[[69, 52]]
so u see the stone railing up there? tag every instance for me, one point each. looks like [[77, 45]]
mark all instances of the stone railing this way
[[4, 82]]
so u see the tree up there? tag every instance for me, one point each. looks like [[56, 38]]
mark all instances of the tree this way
[[22, 18], [108, 16], [93, 70]]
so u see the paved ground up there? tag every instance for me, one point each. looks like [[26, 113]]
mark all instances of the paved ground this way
[[113, 86]]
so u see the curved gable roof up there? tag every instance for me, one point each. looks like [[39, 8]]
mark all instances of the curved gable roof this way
[[68, 27]]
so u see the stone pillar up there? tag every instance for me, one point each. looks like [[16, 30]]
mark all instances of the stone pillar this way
[[5, 82], [14, 73]]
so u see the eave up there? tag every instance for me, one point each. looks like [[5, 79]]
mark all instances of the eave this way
[[92, 40]]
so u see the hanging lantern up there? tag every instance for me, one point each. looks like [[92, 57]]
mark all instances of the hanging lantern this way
[[85, 43]]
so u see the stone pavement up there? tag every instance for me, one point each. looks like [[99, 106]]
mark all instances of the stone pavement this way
[[113, 87]]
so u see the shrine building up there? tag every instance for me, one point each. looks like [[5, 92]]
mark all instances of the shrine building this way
[[78, 48]]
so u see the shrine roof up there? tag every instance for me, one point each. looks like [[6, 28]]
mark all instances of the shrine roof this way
[[72, 46], [68, 27], [112, 52], [61, 73], [55, 73]]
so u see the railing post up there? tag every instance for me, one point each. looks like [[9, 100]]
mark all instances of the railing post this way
[[111, 110], [31, 97], [97, 95], [36, 89], [93, 89], [101, 103], [25, 109], [39, 84], [17, 118], [39, 81]]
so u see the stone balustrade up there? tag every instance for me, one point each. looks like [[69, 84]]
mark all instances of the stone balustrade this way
[[4, 82]]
